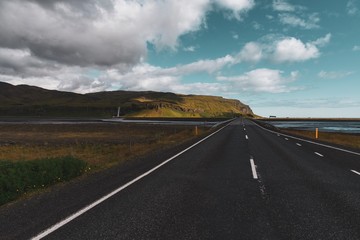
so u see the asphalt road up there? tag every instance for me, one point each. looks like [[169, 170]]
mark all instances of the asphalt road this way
[[243, 182]]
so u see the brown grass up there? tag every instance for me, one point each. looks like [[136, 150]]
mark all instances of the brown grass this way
[[100, 145], [349, 140]]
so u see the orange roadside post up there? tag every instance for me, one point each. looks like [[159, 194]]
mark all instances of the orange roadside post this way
[[317, 133]]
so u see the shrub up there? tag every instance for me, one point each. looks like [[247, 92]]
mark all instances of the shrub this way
[[17, 178]]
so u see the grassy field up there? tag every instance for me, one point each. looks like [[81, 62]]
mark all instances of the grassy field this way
[[100, 145], [349, 140], [29, 151]]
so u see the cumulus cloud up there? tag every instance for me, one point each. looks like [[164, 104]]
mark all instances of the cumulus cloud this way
[[145, 76], [57, 44], [103, 33], [262, 80], [333, 74], [291, 49], [282, 49]]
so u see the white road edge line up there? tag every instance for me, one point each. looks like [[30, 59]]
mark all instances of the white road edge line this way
[[246, 136], [253, 168], [92, 205], [356, 172], [308, 141], [319, 154], [298, 144]]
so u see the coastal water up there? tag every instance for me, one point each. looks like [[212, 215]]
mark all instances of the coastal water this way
[[324, 126]]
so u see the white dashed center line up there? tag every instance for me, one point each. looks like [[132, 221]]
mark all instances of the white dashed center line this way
[[286, 139], [319, 154], [298, 144], [253, 168], [356, 172], [246, 136]]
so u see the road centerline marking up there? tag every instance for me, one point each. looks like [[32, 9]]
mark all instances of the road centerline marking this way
[[80, 212], [286, 139], [253, 168], [246, 136], [298, 144], [319, 154], [356, 172]]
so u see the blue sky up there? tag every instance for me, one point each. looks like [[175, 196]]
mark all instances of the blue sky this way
[[282, 57]]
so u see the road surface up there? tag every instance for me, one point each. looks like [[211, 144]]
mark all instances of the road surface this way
[[243, 182]]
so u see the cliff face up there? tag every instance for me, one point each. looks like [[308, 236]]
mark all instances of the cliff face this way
[[26, 100]]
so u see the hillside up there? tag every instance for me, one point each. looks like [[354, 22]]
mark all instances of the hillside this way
[[23, 100]]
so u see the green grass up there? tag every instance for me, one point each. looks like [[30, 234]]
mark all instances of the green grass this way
[[21, 177]]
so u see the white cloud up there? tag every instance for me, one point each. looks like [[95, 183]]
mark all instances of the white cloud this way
[[292, 20], [333, 74], [282, 49], [321, 42], [236, 6], [103, 33], [283, 6], [251, 52], [189, 49], [256, 25], [351, 7], [55, 44], [147, 77], [356, 48], [261, 80], [294, 50]]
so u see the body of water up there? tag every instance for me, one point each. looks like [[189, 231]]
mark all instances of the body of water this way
[[324, 126]]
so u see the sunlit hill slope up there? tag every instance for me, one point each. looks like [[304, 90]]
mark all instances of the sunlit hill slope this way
[[24, 100]]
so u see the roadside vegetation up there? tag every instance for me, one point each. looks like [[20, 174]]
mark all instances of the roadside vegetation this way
[[348, 140], [33, 157], [18, 178]]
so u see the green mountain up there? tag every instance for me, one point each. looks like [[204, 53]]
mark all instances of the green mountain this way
[[24, 100]]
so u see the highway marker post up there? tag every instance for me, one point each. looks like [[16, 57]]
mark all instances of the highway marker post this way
[[196, 130], [317, 133]]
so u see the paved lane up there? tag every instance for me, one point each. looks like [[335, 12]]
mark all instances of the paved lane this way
[[206, 193], [306, 195]]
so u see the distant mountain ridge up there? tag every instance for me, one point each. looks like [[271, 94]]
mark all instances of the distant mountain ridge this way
[[24, 100]]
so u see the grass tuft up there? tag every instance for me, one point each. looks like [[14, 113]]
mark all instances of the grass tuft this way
[[18, 178]]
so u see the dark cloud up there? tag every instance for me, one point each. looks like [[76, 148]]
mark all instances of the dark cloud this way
[[70, 32]]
